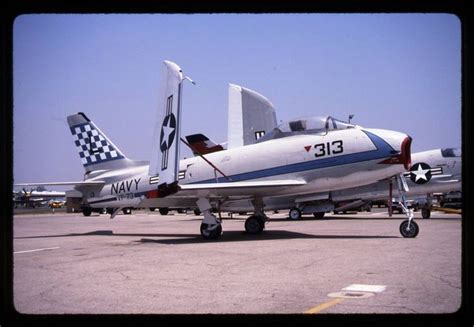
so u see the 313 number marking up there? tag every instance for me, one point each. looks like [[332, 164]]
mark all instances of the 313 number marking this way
[[325, 149]]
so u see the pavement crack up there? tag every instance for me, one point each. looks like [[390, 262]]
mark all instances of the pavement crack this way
[[445, 281]]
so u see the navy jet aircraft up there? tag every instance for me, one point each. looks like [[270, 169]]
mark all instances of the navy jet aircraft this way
[[301, 157], [433, 171]]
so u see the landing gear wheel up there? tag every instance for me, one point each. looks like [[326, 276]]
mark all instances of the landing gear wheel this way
[[410, 232], [318, 215], [211, 234], [295, 214], [426, 213], [86, 211], [163, 211], [254, 225]]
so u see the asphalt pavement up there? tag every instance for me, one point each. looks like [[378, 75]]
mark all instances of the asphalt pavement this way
[[148, 263]]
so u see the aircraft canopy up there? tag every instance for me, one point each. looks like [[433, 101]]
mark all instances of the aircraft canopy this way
[[308, 125], [451, 152]]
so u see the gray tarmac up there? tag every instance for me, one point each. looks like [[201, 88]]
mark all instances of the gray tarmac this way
[[153, 264]]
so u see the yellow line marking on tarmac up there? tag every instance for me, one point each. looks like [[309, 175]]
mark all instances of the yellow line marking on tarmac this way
[[323, 306]]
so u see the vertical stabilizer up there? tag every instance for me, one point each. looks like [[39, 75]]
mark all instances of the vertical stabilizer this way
[[250, 116], [96, 151], [166, 141]]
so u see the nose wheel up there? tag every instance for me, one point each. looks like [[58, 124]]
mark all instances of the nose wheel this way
[[409, 229]]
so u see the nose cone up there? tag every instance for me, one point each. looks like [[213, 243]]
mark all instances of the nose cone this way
[[400, 144]]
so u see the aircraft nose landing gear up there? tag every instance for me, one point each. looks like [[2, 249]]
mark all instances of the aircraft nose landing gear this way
[[408, 228]]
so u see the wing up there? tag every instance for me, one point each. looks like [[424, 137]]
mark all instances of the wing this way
[[249, 188], [81, 183]]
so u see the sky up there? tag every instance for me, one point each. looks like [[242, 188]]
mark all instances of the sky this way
[[392, 71]]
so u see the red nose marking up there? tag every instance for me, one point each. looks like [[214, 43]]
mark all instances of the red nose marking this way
[[404, 157]]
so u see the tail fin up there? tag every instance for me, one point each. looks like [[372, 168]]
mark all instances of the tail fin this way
[[250, 116], [166, 141], [95, 149], [201, 144]]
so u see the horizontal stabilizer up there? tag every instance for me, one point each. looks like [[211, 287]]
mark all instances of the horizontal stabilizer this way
[[201, 144]]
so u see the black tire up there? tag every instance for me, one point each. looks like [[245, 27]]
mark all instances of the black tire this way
[[254, 225], [197, 212], [86, 211], [163, 211], [211, 235], [412, 231], [127, 211], [318, 215], [425, 213], [152, 209], [294, 214]]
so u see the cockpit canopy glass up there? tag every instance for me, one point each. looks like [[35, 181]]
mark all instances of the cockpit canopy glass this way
[[310, 125], [451, 152]]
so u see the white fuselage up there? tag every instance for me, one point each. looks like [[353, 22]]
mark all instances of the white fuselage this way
[[328, 161], [448, 178]]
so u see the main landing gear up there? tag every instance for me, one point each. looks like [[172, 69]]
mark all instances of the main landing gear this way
[[408, 228], [211, 226], [255, 224]]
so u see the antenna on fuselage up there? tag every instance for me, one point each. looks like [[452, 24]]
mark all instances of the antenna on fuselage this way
[[350, 117]]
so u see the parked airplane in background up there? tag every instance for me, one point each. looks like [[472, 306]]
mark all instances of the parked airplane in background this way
[[302, 158], [434, 171], [35, 198]]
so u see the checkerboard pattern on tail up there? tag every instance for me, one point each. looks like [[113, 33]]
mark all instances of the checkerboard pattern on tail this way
[[93, 146]]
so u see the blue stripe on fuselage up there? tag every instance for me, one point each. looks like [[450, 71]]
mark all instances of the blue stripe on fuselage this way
[[383, 150]]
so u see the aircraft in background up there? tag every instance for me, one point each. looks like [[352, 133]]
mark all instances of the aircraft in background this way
[[35, 198], [440, 173], [300, 158]]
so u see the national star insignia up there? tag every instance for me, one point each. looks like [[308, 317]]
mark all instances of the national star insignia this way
[[420, 173], [167, 131]]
